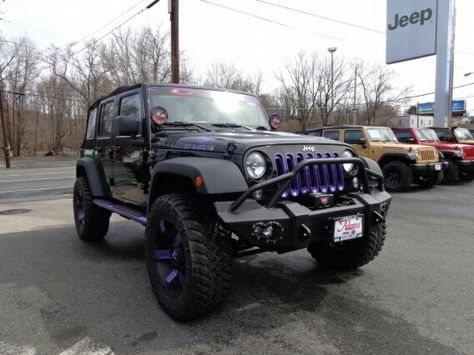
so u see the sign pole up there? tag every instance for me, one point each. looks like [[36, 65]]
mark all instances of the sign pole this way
[[444, 63]]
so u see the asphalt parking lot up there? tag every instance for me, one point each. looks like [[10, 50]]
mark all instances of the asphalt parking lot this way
[[58, 294]]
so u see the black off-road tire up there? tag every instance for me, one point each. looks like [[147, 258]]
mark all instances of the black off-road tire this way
[[466, 177], [431, 181], [203, 257], [92, 222], [350, 254], [451, 174], [398, 176]]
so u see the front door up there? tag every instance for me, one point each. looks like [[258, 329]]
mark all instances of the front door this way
[[104, 139], [129, 157], [356, 138]]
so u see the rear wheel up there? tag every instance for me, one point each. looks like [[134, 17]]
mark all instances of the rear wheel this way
[[398, 176], [466, 177], [188, 263], [92, 222], [350, 254], [451, 173], [430, 181]]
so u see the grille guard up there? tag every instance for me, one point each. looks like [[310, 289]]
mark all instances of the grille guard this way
[[288, 179]]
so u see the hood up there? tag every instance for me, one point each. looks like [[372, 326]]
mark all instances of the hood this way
[[241, 140], [401, 147], [466, 141]]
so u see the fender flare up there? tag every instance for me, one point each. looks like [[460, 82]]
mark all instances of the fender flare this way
[[218, 176], [371, 165], [94, 173], [409, 157]]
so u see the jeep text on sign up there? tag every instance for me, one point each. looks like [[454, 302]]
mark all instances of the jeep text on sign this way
[[411, 29]]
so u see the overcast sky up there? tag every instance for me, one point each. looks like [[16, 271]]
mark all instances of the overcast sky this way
[[209, 32]]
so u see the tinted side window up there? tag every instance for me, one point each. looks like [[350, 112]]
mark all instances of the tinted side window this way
[[315, 133], [130, 106], [403, 136], [91, 124], [106, 119], [353, 137], [444, 136], [332, 135]]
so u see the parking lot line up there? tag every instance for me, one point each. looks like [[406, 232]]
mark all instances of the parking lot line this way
[[37, 189]]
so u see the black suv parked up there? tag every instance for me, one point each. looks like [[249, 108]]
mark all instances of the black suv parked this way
[[202, 170]]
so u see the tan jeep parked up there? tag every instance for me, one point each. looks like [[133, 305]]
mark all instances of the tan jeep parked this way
[[401, 164]]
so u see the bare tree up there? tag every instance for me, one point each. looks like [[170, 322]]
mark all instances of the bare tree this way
[[225, 75], [377, 91], [299, 85], [330, 87], [134, 57]]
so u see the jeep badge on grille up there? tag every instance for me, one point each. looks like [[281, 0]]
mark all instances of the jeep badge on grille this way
[[308, 148]]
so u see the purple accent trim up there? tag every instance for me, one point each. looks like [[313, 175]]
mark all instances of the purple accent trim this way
[[316, 178], [162, 226], [295, 188], [171, 276], [281, 168], [116, 209], [162, 254], [339, 175], [177, 240]]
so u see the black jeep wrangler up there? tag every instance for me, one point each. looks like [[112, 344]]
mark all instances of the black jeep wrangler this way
[[206, 175]]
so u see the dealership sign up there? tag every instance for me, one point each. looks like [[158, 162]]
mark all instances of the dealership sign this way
[[411, 29], [427, 108]]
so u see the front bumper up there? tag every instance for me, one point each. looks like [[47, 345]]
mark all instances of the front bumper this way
[[465, 166], [294, 225], [429, 169]]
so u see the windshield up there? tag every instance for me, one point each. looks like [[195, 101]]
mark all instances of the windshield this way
[[463, 134], [201, 106], [426, 135], [381, 135]]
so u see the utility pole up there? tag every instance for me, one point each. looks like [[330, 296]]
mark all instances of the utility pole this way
[[173, 10], [444, 63], [6, 144], [332, 50], [174, 17], [354, 106]]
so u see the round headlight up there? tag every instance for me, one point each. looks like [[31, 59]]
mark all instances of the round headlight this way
[[255, 165], [348, 167]]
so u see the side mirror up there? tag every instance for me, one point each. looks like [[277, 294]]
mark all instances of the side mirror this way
[[359, 141], [275, 121], [127, 126]]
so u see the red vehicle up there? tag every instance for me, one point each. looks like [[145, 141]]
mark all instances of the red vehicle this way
[[454, 135], [460, 157]]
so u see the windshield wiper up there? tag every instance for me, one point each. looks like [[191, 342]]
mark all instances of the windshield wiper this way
[[230, 125], [184, 124]]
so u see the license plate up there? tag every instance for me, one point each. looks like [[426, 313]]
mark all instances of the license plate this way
[[438, 167], [348, 227]]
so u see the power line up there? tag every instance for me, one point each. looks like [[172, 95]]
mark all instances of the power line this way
[[322, 17], [29, 27], [108, 23], [271, 21], [429, 93], [149, 6]]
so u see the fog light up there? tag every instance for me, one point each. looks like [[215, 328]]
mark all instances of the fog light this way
[[258, 194], [267, 232], [355, 183]]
